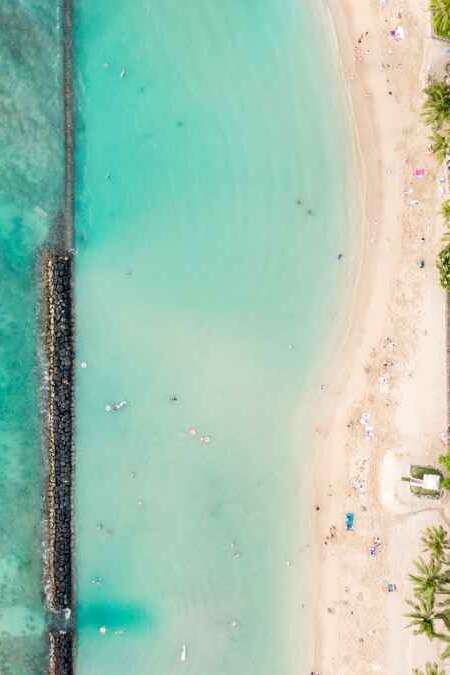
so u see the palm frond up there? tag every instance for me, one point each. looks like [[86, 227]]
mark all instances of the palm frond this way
[[440, 10], [436, 109]]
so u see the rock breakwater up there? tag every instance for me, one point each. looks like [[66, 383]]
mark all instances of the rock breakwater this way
[[57, 281]]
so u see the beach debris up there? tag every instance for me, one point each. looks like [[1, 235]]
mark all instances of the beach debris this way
[[368, 427], [375, 546], [390, 343], [83, 364], [331, 535], [183, 653], [192, 431], [383, 381], [397, 33], [234, 623], [414, 202], [349, 521], [114, 407], [102, 630], [419, 173], [359, 485], [205, 439]]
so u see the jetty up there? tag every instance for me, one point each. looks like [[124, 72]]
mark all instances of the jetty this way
[[58, 336], [59, 352]]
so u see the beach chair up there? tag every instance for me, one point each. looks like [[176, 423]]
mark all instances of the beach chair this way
[[349, 521]]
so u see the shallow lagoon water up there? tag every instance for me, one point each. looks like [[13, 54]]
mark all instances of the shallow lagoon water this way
[[213, 160], [31, 171]]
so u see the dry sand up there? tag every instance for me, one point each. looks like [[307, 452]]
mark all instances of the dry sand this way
[[392, 366]]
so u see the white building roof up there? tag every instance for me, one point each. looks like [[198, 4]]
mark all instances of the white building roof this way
[[431, 481]]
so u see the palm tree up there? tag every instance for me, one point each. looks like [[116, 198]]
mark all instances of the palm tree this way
[[430, 669], [440, 145], [445, 211], [446, 653], [430, 578], [436, 109], [440, 10], [435, 539], [443, 265], [445, 459], [423, 618]]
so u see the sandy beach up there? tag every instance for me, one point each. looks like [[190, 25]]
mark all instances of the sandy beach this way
[[386, 406]]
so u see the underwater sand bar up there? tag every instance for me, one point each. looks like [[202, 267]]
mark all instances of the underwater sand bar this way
[[57, 277]]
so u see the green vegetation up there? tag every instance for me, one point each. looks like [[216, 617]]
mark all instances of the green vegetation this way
[[429, 579], [436, 543], [430, 669], [436, 113], [418, 471], [440, 146], [444, 460], [440, 11], [445, 211], [443, 265], [429, 612], [436, 109]]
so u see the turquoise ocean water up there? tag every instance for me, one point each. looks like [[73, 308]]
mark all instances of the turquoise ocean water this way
[[213, 159], [31, 171]]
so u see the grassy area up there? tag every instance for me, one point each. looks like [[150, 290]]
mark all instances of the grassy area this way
[[440, 13]]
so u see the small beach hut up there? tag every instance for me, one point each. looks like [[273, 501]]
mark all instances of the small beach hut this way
[[424, 481]]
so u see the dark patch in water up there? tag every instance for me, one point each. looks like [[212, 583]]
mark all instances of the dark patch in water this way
[[114, 616], [31, 181]]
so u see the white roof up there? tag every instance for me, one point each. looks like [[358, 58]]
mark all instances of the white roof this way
[[431, 481]]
